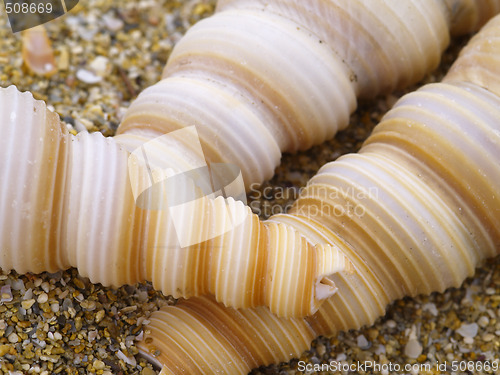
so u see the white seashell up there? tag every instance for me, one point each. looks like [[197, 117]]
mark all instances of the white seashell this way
[[431, 219], [480, 60], [87, 76], [244, 265], [249, 107]]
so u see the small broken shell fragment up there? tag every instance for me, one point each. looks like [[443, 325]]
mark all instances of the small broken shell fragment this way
[[37, 52]]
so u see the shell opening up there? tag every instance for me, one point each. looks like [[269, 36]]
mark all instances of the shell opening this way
[[325, 288]]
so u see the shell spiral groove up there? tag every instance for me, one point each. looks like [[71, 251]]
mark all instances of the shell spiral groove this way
[[424, 227], [248, 109]]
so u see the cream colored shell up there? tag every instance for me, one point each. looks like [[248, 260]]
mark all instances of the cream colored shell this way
[[426, 188], [251, 265], [254, 106], [480, 60], [249, 107]]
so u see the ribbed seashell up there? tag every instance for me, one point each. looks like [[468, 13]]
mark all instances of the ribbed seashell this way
[[233, 341], [37, 52], [367, 35], [314, 58], [480, 60], [415, 211], [467, 15], [247, 264], [248, 107]]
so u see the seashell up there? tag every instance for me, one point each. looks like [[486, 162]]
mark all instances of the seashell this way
[[248, 109], [295, 96], [415, 211], [37, 51], [480, 60], [216, 88], [470, 15], [290, 97], [366, 35], [243, 267]]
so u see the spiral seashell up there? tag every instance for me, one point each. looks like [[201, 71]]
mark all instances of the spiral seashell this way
[[247, 109], [480, 61], [366, 35], [294, 96], [249, 265], [415, 211], [237, 99], [300, 94], [469, 15]]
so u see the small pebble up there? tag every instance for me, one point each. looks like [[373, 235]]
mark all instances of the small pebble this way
[[42, 298], [431, 308], [4, 349], [483, 321], [6, 293], [380, 350], [488, 337], [18, 285], [28, 295], [13, 338], [100, 29], [63, 60], [129, 360], [112, 23], [82, 125], [469, 341], [390, 324], [147, 371], [55, 307], [413, 348], [79, 283], [88, 305], [98, 364], [92, 335], [321, 349], [468, 330], [363, 342], [45, 286], [341, 357], [100, 66], [87, 76], [128, 309], [99, 316], [76, 50]]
